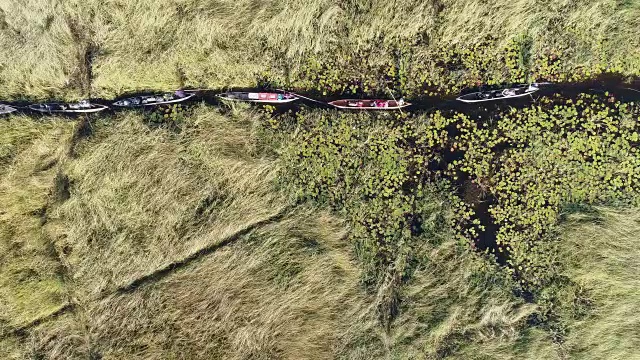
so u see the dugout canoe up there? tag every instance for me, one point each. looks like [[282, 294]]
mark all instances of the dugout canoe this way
[[259, 97], [372, 104], [500, 94], [82, 107], [152, 100]]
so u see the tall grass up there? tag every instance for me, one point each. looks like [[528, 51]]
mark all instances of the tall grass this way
[[39, 57], [70, 49], [30, 283], [286, 291], [140, 198], [144, 198], [603, 254]]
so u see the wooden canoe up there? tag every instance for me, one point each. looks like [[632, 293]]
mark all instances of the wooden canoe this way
[[259, 97], [501, 94], [372, 104], [152, 100], [82, 107]]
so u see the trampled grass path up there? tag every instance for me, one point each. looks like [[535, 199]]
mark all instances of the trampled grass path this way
[[168, 269], [158, 274], [22, 329]]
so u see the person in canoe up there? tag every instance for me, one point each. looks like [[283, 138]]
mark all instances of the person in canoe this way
[[485, 95], [83, 104], [153, 99], [285, 96], [509, 92]]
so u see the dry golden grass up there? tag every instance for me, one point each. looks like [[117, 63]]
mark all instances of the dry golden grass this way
[[40, 52], [30, 284], [53, 47], [604, 258], [287, 291], [144, 198], [591, 29]]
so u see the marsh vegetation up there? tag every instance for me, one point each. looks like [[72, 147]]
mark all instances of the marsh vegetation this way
[[239, 232]]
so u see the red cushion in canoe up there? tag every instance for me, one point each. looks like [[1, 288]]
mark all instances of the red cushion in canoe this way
[[268, 96]]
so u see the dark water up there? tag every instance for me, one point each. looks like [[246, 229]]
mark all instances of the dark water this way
[[616, 85]]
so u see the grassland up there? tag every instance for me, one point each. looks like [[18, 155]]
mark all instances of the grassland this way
[[30, 283], [286, 263], [196, 199], [72, 49]]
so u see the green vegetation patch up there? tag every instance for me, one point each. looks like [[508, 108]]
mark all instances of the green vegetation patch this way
[[146, 44], [526, 165], [539, 161], [369, 169], [500, 183]]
